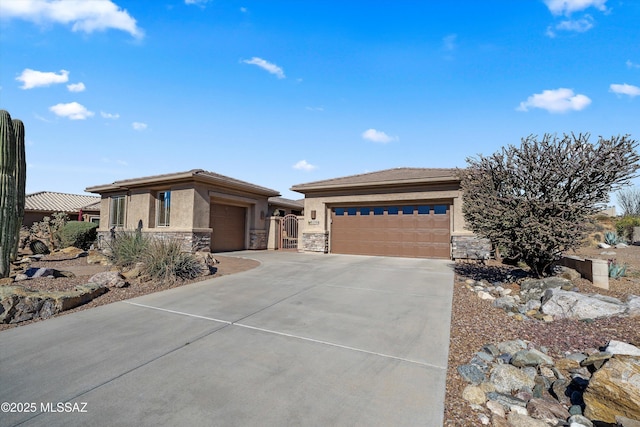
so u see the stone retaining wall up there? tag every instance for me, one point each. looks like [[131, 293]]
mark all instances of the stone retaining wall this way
[[470, 247], [315, 242]]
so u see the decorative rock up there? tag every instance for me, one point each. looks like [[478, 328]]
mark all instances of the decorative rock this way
[[621, 246], [569, 273], [622, 348], [603, 245], [471, 374], [614, 390], [484, 420], [95, 257], [512, 347], [485, 295], [578, 420], [547, 372], [6, 281], [546, 410], [20, 277], [575, 410], [596, 359], [559, 390], [627, 422], [506, 303], [487, 387], [496, 408], [35, 272], [531, 357], [507, 400], [486, 357], [507, 378], [633, 306], [533, 289], [207, 262], [566, 304], [474, 394], [110, 279], [519, 420], [73, 252], [497, 421], [491, 349]]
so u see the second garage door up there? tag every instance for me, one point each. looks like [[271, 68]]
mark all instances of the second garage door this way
[[228, 223], [418, 231]]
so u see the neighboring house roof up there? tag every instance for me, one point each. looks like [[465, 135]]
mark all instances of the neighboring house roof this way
[[387, 177], [199, 175], [287, 203], [49, 201]]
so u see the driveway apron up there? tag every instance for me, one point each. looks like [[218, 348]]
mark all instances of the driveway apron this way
[[303, 339]]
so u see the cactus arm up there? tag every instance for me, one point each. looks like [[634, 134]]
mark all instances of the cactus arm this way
[[7, 191], [20, 177]]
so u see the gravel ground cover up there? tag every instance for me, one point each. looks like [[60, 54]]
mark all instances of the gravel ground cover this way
[[475, 322]]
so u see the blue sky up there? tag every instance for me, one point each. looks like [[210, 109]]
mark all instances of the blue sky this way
[[285, 92]]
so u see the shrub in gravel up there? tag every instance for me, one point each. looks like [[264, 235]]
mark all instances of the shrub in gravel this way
[[78, 234], [127, 248], [165, 261]]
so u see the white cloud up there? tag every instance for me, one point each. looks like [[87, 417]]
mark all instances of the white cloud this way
[[266, 65], [631, 64], [625, 89], [556, 101], [109, 115], [71, 110], [139, 126], [197, 2], [76, 87], [244, 10], [579, 25], [87, 16], [304, 166], [449, 42], [378, 136], [567, 7], [32, 78]]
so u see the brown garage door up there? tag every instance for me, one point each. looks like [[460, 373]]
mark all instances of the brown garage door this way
[[228, 224], [418, 231]]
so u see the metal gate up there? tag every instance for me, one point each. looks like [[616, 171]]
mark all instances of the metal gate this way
[[289, 232]]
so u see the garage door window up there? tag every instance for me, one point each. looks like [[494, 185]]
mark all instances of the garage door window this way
[[351, 211], [423, 210], [407, 210], [392, 210], [339, 211], [378, 211], [365, 211], [440, 209]]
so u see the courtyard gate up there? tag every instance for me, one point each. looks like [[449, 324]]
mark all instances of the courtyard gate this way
[[289, 232]]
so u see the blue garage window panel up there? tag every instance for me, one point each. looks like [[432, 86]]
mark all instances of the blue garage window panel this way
[[351, 211], [365, 211], [339, 211], [423, 210], [407, 210], [378, 211], [392, 210], [440, 209]]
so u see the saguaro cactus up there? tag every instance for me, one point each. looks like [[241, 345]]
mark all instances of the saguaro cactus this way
[[21, 178], [7, 191]]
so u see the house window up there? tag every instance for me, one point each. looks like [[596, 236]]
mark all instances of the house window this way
[[116, 214], [164, 208]]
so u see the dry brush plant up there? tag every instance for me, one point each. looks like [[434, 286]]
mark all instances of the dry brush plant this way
[[535, 200]]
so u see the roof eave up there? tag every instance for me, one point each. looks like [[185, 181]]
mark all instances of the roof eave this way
[[302, 188]]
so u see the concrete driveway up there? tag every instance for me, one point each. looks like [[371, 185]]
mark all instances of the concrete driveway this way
[[301, 340]]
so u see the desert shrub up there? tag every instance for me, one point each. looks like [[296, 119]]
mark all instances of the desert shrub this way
[[617, 270], [535, 200], [47, 229], [611, 238], [127, 248], [165, 261], [624, 226], [77, 233], [629, 201]]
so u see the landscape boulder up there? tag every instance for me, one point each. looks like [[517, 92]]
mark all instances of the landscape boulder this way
[[573, 305], [96, 257], [614, 390], [109, 279], [534, 289]]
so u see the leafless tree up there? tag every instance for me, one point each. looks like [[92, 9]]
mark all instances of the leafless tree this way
[[629, 201]]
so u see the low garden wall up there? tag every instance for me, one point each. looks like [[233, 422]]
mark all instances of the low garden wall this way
[[594, 270]]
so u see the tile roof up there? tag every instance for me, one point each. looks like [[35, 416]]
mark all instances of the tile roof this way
[[282, 201], [49, 201], [187, 175], [383, 177]]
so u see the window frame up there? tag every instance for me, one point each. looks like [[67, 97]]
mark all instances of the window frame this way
[[117, 210], [163, 209]]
